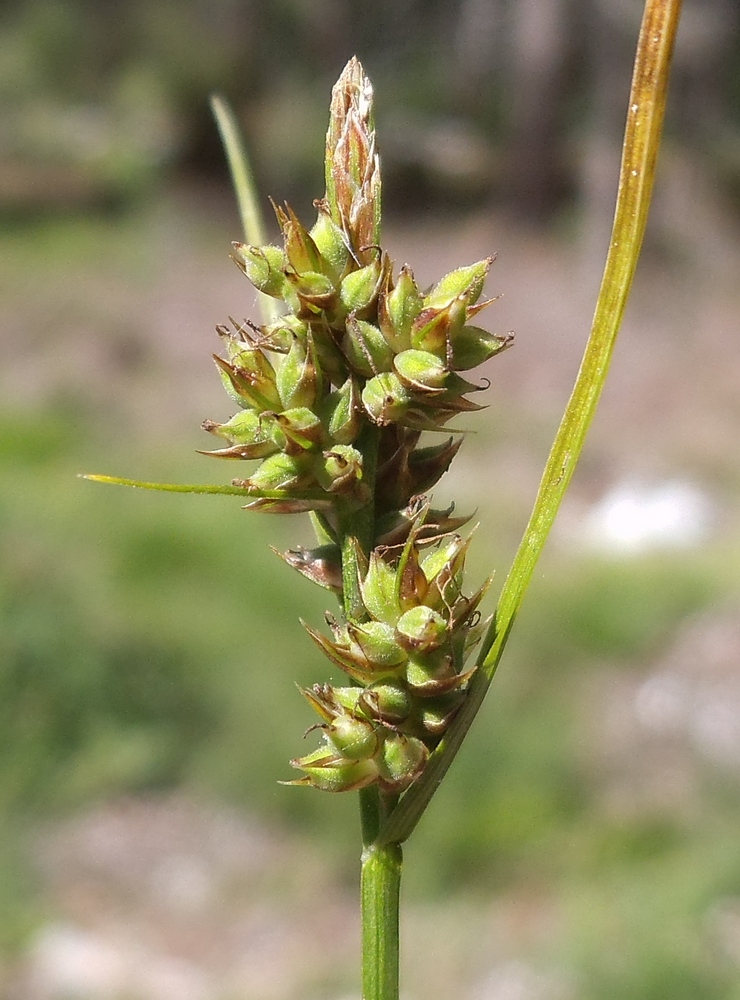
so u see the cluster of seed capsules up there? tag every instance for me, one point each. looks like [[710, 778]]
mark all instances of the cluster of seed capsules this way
[[359, 353]]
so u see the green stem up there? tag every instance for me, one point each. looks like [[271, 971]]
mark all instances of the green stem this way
[[380, 879], [380, 887], [639, 153], [356, 525]]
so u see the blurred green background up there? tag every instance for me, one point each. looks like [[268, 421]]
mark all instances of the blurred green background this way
[[584, 846]]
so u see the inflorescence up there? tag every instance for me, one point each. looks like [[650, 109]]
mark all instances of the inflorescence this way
[[334, 397]]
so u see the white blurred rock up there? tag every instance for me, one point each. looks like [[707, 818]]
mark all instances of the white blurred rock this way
[[636, 517], [517, 981], [71, 963]]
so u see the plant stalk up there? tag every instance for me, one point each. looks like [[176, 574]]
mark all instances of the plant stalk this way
[[380, 872], [380, 886]]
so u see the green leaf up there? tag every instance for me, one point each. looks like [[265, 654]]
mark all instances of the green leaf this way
[[244, 188]]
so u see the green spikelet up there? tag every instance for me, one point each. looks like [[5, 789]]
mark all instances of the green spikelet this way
[[409, 656]]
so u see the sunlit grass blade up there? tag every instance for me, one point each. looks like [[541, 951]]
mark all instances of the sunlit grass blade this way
[[244, 188], [640, 149]]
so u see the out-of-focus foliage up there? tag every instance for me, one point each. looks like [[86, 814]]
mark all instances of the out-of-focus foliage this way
[[509, 100]]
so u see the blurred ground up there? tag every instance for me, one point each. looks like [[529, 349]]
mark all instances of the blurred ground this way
[[599, 789]]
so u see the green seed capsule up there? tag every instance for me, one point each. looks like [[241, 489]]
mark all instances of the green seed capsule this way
[[279, 472], [378, 643], [360, 288], [314, 292], [435, 325], [421, 629], [437, 713], [353, 738], [398, 309], [386, 399], [330, 243], [450, 554], [251, 435], [330, 772], [264, 266], [298, 377], [467, 281], [302, 253], [365, 348], [429, 673], [402, 760], [471, 346], [342, 413], [245, 427], [421, 370], [340, 469], [379, 590], [388, 701], [279, 336], [250, 388], [299, 429]]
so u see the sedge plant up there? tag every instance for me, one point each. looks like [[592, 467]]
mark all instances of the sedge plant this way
[[346, 394]]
